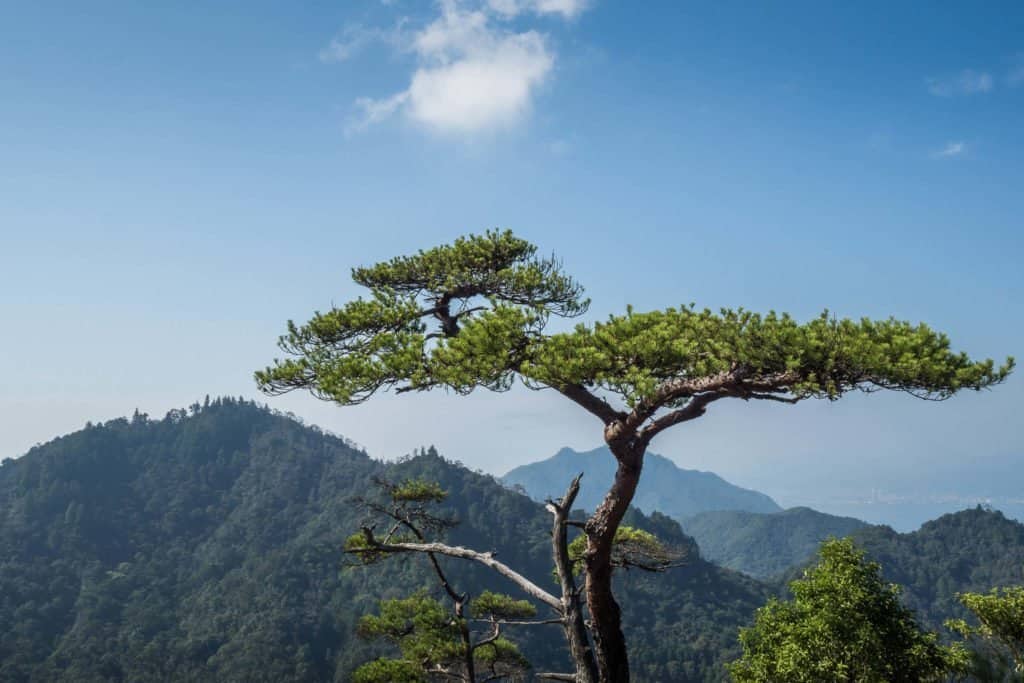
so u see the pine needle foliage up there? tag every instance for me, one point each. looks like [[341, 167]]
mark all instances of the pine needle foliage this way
[[472, 315]]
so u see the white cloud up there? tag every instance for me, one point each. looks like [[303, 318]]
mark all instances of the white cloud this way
[[481, 90], [966, 82], [473, 72], [567, 8], [374, 111], [511, 8], [951, 150]]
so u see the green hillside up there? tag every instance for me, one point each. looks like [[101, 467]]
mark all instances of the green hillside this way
[[764, 545], [205, 547], [971, 550]]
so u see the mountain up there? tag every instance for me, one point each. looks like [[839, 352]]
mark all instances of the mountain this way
[[205, 547], [971, 550], [764, 545], [664, 487]]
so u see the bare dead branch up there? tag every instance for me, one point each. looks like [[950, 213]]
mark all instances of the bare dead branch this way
[[486, 559], [575, 630], [514, 622]]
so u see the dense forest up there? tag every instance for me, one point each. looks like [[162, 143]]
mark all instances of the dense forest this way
[[764, 545], [205, 546], [972, 550]]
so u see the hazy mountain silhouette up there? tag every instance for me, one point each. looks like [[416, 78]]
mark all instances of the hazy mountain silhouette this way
[[664, 487]]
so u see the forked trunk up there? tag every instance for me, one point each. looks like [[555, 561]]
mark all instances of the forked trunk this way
[[609, 641]]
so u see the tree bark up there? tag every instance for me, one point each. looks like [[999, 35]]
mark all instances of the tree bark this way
[[486, 559], [572, 611], [467, 644], [609, 641]]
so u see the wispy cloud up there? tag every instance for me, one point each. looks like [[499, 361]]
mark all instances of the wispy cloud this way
[[355, 37], [473, 72], [342, 47], [966, 82], [951, 150], [511, 8]]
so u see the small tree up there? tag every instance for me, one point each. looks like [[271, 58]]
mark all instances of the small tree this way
[[844, 623], [411, 525], [435, 643], [472, 315], [1000, 614]]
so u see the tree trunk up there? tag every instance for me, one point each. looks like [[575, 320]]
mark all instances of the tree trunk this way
[[609, 642], [572, 611], [467, 644]]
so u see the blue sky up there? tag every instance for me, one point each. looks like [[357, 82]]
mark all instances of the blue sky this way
[[178, 179]]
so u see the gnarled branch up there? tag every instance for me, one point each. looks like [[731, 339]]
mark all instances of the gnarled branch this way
[[486, 559], [692, 410], [592, 403]]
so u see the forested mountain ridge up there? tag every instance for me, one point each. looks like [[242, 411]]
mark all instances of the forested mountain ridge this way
[[665, 487], [205, 547], [971, 550], [764, 545]]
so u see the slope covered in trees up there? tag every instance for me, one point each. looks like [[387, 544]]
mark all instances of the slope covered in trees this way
[[972, 550], [206, 546], [765, 545], [666, 488]]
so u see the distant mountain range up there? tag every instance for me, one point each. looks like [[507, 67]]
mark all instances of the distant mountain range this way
[[664, 487], [765, 545], [735, 527]]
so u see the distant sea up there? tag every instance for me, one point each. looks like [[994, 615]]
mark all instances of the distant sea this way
[[903, 493]]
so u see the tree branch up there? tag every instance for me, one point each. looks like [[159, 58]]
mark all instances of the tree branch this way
[[771, 397], [675, 389], [692, 410], [546, 676], [736, 382], [486, 559], [704, 391], [595, 405], [493, 636], [515, 622]]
